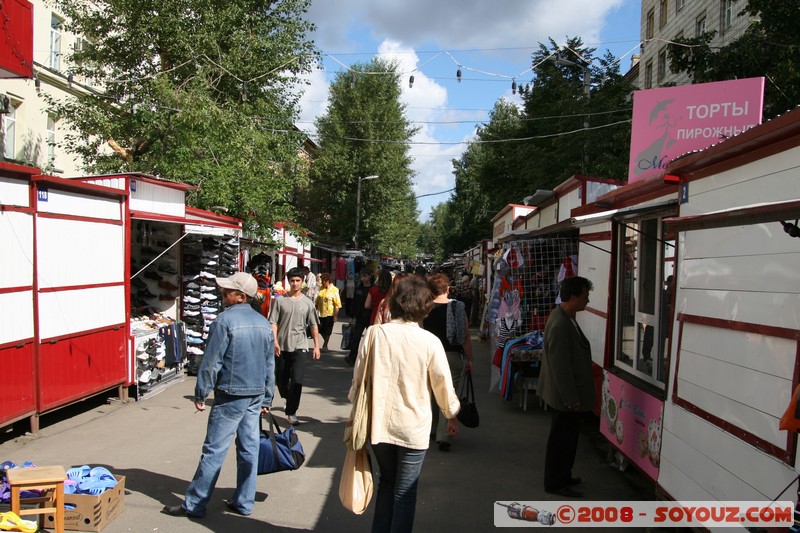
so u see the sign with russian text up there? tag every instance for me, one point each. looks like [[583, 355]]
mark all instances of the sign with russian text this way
[[631, 420], [673, 121]]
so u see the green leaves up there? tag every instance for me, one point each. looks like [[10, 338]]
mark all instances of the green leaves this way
[[364, 133], [197, 91]]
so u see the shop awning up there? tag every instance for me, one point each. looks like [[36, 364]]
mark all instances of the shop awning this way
[[737, 216]]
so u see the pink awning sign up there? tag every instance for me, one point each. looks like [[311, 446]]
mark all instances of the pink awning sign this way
[[673, 121]]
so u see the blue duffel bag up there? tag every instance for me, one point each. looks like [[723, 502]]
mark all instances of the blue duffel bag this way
[[279, 450]]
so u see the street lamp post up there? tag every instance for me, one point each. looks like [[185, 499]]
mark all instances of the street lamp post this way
[[358, 206]]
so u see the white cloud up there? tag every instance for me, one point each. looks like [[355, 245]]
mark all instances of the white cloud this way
[[500, 34]]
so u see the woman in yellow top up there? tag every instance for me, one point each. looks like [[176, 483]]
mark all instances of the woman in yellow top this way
[[328, 304]]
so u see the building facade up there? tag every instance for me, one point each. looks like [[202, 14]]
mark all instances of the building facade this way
[[664, 21], [31, 134]]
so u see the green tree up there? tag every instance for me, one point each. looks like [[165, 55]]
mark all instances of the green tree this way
[[197, 91], [767, 48], [575, 119], [364, 132]]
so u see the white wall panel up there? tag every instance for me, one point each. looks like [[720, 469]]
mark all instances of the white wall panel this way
[[154, 198], [549, 215], [72, 252], [771, 309], [568, 202], [16, 249], [726, 466], [775, 179], [65, 312], [746, 241], [14, 192], [751, 351], [70, 203], [595, 265], [16, 316], [110, 182], [768, 273], [736, 412]]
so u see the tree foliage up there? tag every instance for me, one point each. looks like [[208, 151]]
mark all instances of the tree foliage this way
[[768, 48], [362, 133], [196, 91], [574, 119]]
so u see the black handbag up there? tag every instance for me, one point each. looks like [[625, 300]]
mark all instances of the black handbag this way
[[468, 415], [346, 330], [279, 450]]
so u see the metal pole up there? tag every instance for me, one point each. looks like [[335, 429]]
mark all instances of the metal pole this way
[[358, 212]]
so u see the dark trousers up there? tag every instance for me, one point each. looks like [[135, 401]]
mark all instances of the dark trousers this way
[[562, 445], [355, 339], [289, 370]]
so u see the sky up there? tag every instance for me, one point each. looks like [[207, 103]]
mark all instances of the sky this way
[[491, 41]]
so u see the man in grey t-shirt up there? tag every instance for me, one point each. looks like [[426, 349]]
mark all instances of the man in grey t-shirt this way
[[291, 316]]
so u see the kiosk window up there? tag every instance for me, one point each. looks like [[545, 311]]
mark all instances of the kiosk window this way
[[644, 273]]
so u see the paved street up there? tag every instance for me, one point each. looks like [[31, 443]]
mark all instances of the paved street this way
[[156, 443]]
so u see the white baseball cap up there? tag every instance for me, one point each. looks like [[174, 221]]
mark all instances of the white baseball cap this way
[[241, 281]]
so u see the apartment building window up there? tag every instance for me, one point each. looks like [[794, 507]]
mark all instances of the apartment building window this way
[[10, 132], [56, 26], [727, 14], [51, 142], [662, 65], [648, 75], [700, 25], [651, 22], [679, 4], [662, 13]]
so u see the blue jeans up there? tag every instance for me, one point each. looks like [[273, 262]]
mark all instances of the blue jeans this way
[[397, 487], [229, 416]]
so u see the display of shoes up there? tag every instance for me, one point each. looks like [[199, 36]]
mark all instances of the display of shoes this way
[[167, 269]]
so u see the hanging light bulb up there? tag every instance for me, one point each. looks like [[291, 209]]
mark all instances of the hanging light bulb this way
[[458, 75], [513, 86], [244, 91], [411, 81]]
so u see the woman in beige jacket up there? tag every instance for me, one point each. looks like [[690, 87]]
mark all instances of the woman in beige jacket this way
[[407, 363]]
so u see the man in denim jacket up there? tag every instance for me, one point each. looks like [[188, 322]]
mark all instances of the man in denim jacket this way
[[239, 366]]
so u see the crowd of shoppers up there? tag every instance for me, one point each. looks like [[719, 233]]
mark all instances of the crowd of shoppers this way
[[419, 347]]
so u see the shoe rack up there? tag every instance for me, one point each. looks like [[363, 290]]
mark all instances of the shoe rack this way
[[154, 305], [205, 257], [155, 289]]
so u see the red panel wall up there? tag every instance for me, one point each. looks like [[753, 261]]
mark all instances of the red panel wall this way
[[16, 39], [17, 393], [77, 367]]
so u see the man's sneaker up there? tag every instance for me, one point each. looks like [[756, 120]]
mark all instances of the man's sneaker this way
[[207, 288], [293, 420], [209, 316], [209, 275], [192, 333], [191, 300], [192, 285], [191, 313], [207, 309], [209, 296]]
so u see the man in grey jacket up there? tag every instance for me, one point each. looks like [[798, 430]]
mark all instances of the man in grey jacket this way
[[239, 366], [566, 384]]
